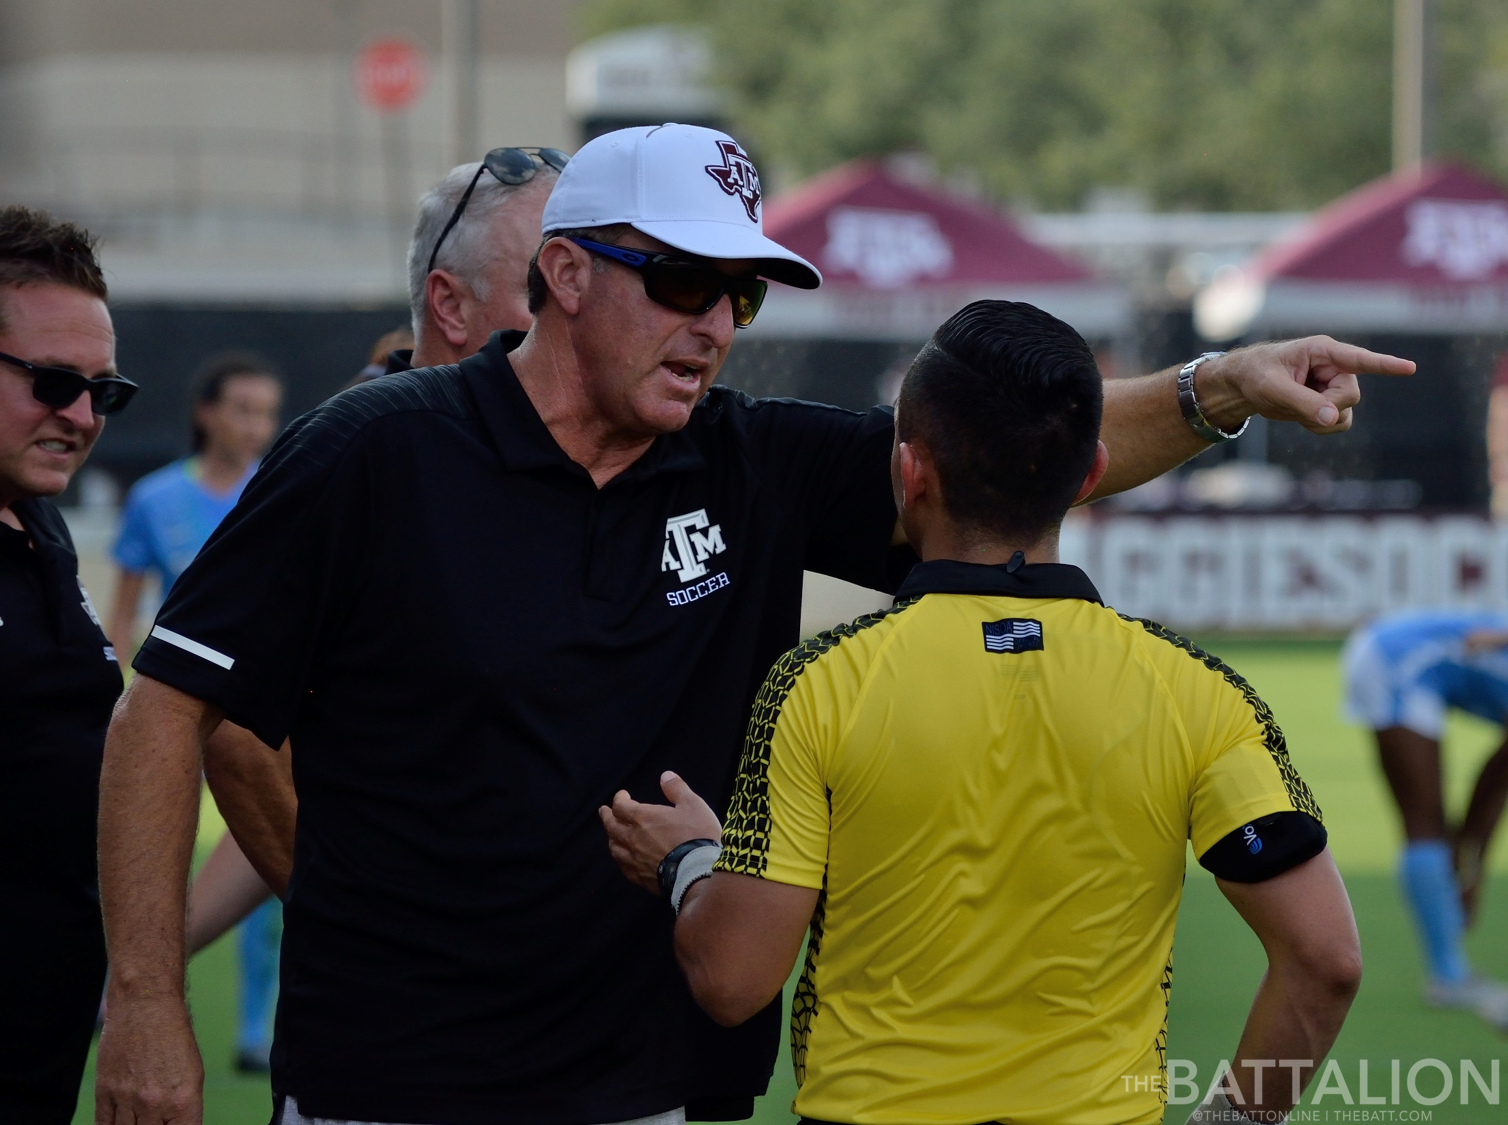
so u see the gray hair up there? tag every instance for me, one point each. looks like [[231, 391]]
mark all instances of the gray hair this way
[[465, 251]]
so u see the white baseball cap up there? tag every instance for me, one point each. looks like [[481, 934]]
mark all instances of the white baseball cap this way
[[690, 187]]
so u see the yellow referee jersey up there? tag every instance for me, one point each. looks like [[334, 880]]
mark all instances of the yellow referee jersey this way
[[992, 783]]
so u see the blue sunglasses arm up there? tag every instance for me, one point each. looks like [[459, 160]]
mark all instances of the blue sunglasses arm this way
[[617, 253]]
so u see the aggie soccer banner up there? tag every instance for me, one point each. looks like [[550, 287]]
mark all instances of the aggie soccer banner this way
[[1287, 573]]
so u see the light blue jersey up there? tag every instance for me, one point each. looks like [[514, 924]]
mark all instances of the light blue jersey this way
[[1406, 669], [168, 516]]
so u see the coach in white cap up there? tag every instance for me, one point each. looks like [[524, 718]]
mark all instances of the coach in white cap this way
[[479, 599]]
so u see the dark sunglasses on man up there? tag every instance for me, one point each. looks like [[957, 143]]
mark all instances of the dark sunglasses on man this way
[[508, 166], [688, 287], [60, 387]]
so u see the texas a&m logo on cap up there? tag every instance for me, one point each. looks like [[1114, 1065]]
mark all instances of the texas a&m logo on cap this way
[[737, 175]]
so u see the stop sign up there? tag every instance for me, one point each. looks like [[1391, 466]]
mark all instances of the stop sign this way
[[389, 74]]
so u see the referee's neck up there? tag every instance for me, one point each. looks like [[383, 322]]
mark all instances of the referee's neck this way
[[948, 540]]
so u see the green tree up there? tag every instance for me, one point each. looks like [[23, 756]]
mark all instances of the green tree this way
[[1224, 104]]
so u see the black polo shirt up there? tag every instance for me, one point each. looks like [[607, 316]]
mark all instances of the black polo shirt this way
[[472, 647], [58, 682]]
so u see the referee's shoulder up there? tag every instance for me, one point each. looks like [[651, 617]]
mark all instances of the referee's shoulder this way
[[849, 648], [1179, 658]]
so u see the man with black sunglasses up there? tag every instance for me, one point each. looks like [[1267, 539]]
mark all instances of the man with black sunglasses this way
[[483, 597], [58, 675]]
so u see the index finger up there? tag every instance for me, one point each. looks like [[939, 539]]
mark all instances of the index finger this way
[[1350, 358]]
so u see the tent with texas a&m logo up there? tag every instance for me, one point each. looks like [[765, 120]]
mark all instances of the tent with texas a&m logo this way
[[899, 256]]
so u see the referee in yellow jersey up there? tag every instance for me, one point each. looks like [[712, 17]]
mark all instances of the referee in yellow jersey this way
[[978, 802]]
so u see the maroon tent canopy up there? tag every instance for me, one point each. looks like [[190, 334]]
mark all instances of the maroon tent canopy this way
[[897, 259], [1420, 251]]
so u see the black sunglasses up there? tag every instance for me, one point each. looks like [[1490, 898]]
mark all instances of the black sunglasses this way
[[60, 387], [687, 287], [508, 166]]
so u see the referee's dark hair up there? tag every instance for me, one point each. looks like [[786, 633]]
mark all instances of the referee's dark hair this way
[[1007, 399], [36, 249], [209, 382]]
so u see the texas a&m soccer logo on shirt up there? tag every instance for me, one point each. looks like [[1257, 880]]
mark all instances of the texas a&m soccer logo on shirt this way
[[690, 541]]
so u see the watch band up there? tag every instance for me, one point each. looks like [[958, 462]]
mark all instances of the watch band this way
[[670, 866], [694, 868], [1189, 404]]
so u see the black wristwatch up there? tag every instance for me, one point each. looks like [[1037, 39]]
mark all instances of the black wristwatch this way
[[665, 874]]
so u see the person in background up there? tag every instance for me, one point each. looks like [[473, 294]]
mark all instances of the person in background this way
[[59, 677], [1403, 672], [1497, 439], [169, 514], [393, 351], [468, 259]]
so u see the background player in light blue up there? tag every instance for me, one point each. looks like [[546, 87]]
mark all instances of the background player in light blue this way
[[168, 516], [1403, 672]]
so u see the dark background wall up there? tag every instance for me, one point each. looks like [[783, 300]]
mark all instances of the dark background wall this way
[[316, 351]]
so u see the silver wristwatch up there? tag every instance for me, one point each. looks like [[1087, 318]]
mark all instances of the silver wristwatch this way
[[1190, 405]]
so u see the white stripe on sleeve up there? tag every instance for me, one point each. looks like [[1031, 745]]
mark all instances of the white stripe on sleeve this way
[[204, 652]]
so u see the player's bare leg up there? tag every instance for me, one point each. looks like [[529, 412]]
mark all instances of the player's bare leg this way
[[1488, 797], [1411, 763]]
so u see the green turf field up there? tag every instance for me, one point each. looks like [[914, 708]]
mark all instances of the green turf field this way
[[1216, 960]]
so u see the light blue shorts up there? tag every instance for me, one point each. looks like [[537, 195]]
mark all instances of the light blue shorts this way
[[1382, 693]]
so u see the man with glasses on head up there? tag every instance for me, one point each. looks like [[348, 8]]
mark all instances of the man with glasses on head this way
[[470, 252], [58, 675], [482, 598]]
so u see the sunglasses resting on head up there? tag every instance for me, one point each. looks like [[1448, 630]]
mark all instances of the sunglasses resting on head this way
[[687, 287], [60, 387], [512, 166]]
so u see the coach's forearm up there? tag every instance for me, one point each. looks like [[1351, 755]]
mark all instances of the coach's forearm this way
[[1144, 431], [149, 809], [148, 1069], [253, 788]]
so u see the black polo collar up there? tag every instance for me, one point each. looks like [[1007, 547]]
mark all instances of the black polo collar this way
[[1038, 580], [38, 528], [525, 442]]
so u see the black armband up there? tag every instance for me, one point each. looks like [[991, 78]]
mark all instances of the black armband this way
[[1265, 847]]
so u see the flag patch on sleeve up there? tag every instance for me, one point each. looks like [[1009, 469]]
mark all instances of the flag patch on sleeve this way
[[1012, 634]]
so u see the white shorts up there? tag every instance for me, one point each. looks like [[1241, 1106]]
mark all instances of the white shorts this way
[[291, 1116], [1382, 694]]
